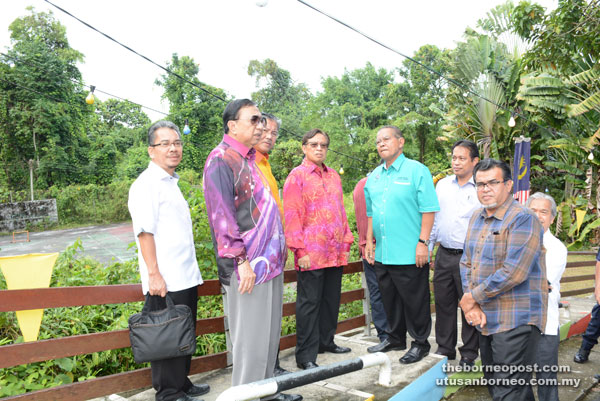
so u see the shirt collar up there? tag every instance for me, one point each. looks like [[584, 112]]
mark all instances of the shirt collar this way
[[260, 156], [159, 172], [239, 147], [397, 163], [312, 166], [502, 209], [471, 180]]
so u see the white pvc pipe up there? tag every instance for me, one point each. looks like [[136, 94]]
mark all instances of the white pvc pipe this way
[[385, 372], [267, 387], [249, 391]]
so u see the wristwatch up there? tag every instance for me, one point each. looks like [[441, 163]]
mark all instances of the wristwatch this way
[[424, 241]]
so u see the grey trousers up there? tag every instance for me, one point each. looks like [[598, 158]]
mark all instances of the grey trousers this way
[[255, 327]]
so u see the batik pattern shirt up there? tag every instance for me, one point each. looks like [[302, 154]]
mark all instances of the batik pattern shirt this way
[[242, 213], [504, 268], [315, 218]]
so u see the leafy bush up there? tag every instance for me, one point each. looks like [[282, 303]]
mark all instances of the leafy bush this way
[[94, 204], [73, 269]]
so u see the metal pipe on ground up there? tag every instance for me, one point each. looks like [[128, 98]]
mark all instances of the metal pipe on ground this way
[[277, 384]]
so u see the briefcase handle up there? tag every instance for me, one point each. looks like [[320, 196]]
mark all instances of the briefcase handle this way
[[170, 306]]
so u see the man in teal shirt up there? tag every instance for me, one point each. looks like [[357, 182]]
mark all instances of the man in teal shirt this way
[[401, 205]]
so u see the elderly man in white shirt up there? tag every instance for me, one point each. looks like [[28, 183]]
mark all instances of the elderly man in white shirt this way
[[544, 207], [162, 226]]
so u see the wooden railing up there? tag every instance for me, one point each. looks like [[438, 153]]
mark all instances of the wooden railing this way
[[43, 298], [577, 278], [17, 354]]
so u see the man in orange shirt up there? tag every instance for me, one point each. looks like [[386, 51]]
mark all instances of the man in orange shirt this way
[[263, 147]]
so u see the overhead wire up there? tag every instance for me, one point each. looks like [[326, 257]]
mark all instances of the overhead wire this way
[[428, 68], [168, 71], [83, 84]]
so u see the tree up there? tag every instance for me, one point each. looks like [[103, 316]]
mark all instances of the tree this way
[[203, 110], [562, 39], [43, 118], [350, 109], [488, 71], [424, 99], [279, 95]]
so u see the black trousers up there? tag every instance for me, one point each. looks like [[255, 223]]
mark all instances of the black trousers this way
[[405, 295], [317, 308], [170, 376], [516, 347], [447, 289]]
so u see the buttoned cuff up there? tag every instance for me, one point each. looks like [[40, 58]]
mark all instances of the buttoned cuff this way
[[478, 294]]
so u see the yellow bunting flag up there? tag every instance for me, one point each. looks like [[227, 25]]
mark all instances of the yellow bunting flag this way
[[580, 214], [25, 272]]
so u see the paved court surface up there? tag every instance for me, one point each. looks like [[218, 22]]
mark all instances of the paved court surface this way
[[106, 244]]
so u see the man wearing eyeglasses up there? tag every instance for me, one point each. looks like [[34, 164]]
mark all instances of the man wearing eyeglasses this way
[[249, 244], [263, 148], [503, 271], [167, 258]]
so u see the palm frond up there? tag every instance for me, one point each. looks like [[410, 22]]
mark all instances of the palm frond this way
[[590, 103]]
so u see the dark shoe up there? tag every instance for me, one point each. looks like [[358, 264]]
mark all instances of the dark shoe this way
[[336, 349], [414, 354], [198, 389], [386, 346], [188, 398], [466, 363], [582, 355], [450, 357], [307, 365], [287, 397], [278, 371]]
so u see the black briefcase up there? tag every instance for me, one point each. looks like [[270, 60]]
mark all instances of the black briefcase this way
[[162, 334]]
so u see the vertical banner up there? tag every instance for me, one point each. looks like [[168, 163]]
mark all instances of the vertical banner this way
[[521, 165], [25, 272]]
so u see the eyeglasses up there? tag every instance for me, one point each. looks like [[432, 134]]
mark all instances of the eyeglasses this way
[[274, 133], [490, 184], [167, 144], [255, 119], [314, 145]]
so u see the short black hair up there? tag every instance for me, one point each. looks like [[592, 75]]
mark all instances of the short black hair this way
[[312, 133], [272, 117], [469, 145], [161, 124], [232, 109], [488, 164]]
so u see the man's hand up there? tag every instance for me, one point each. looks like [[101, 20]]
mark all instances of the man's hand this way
[[421, 254], [597, 292], [476, 316], [156, 284], [467, 302], [370, 252], [304, 262], [247, 278]]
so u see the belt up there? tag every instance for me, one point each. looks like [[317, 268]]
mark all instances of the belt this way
[[452, 251]]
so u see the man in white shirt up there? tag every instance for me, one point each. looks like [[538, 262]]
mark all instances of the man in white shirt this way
[[458, 199], [162, 226], [544, 207]]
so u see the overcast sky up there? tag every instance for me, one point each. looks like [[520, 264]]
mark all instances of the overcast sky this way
[[222, 36]]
